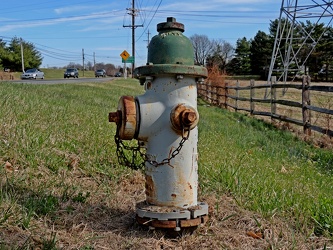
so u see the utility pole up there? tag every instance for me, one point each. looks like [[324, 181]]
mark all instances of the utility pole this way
[[148, 41], [22, 56], [94, 62], [83, 60], [132, 12]]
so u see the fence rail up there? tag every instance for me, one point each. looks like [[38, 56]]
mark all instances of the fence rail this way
[[270, 105]]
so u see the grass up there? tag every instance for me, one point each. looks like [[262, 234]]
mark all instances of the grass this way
[[267, 170], [60, 178]]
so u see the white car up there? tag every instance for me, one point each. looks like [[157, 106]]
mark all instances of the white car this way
[[32, 74]]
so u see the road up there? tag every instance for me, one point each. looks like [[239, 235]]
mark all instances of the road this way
[[67, 80]]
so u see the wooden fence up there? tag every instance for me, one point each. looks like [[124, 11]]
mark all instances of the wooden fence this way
[[299, 109]]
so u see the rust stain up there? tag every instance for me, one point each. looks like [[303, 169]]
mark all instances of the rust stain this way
[[150, 188], [189, 185], [173, 195], [172, 223]]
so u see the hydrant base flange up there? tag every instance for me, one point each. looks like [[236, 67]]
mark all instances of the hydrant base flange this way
[[171, 218]]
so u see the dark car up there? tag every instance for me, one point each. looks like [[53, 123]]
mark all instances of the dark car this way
[[32, 74], [100, 72], [71, 72], [118, 74]]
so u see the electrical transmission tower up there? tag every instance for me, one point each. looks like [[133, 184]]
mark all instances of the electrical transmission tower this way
[[293, 44]]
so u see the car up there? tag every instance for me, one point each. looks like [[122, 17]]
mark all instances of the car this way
[[118, 74], [100, 72], [71, 72], [32, 74]]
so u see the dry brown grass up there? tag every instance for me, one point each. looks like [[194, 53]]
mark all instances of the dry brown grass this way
[[107, 221], [4, 76]]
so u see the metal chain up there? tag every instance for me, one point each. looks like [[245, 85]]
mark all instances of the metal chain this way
[[135, 162]]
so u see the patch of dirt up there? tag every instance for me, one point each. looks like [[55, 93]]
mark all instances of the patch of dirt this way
[[107, 221]]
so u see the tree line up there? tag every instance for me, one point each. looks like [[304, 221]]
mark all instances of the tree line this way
[[253, 56]]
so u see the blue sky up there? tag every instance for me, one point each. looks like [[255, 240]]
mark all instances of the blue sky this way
[[61, 29]]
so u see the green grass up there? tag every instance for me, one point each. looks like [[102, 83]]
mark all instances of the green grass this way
[[47, 131], [266, 170]]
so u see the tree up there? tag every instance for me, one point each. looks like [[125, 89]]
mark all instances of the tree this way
[[324, 52], [202, 48], [242, 56], [261, 53], [11, 55], [221, 53], [3, 51]]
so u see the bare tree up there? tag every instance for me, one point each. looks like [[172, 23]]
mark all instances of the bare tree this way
[[202, 48], [221, 54]]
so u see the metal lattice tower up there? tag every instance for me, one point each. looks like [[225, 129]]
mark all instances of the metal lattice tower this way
[[286, 60]]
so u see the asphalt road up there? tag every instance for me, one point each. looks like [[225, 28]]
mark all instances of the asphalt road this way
[[67, 80]]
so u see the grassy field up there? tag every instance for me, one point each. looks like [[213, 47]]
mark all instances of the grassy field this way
[[61, 186]]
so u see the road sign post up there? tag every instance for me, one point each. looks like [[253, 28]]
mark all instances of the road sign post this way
[[124, 55], [130, 59]]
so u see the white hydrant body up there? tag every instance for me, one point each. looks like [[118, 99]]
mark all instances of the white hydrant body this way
[[175, 183]]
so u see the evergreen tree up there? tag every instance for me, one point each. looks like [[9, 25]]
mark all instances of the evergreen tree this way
[[11, 56], [261, 54], [242, 54]]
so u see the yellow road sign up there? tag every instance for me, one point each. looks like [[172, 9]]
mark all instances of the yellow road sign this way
[[124, 55]]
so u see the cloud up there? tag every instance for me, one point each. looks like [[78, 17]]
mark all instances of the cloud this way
[[217, 5], [50, 21], [74, 8]]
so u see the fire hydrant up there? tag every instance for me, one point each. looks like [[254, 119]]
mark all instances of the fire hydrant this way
[[164, 121]]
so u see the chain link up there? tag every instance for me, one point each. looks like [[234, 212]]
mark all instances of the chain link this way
[[134, 162]]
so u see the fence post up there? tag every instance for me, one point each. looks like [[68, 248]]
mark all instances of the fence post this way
[[218, 95], [215, 96], [209, 92], [252, 93], [306, 101], [273, 96], [226, 91], [237, 94]]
